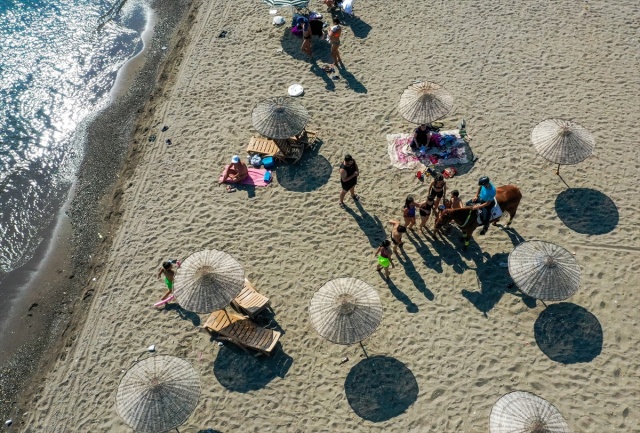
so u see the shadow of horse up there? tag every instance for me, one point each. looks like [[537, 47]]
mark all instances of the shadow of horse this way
[[568, 333], [380, 388], [587, 211], [310, 173], [239, 371], [371, 226], [183, 314]]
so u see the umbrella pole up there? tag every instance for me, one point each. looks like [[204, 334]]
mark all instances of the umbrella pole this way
[[545, 305], [364, 350], [558, 170]]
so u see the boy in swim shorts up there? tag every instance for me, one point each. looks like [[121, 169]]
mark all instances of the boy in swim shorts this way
[[383, 253], [169, 273], [396, 234]]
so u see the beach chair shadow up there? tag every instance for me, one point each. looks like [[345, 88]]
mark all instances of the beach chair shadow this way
[[587, 211], [379, 388], [371, 226], [413, 274], [401, 296], [568, 333], [183, 314], [239, 372], [310, 173]]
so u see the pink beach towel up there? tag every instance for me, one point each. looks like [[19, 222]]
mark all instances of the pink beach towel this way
[[256, 177]]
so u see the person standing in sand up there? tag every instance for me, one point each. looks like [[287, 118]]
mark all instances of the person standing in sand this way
[[334, 40], [438, 189], [396, 234], [169, 273], [306, 36], [383, 253], [409, 212], [348, 178]]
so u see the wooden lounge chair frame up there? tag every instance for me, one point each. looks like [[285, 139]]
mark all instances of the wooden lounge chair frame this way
[[250, 302], [284, 150], [241, 331]]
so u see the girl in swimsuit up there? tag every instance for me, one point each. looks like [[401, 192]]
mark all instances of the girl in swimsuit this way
[[396, 234], [383, 253], [409, 213], [334, 41], [306, 36], [425, 211], [438, 188]]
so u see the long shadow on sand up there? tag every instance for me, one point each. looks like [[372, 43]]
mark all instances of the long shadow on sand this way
[[413, 274], [380, 388], [310, 173], [568, 333], [184, 314], [240, 371], [359, 27], [370, 225], [400, 295], [352, 81], [587, 211]]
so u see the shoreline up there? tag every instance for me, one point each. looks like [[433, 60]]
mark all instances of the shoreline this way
[[59, 285]]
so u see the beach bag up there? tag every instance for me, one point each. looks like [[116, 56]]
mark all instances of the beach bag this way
[[267, 176], [296, 30], [449, 172], [256, 161]]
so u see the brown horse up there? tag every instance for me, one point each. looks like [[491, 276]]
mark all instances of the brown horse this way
[[508, 197]]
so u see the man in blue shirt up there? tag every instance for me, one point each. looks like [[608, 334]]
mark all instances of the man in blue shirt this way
[[485, 199]]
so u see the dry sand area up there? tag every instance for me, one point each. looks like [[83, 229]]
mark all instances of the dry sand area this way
[[452, 339]]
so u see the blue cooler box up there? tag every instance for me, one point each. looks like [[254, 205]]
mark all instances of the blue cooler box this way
[[268, 162]]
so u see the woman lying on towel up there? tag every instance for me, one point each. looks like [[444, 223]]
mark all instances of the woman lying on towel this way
[[236, 172]]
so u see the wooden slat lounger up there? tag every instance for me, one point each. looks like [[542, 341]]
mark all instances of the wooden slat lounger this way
[[249, 301], [241, 331]]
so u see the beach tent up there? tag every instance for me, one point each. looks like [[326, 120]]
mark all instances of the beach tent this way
[[562, 142], [208, 281], [158, 394], [345, 310], [424, 102], [279, 118], [544, 270], [523, 412]]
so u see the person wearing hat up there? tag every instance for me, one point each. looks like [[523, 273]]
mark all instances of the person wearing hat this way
[[236, 172], [484, 200]]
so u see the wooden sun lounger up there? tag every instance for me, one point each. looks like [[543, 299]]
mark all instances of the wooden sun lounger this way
[[265, 147], [249, 301], [241, 331]]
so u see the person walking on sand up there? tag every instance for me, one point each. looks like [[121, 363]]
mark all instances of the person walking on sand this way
[[438, 188], [396, 234], [306, 36], [409, 213], [383, 253], [425, 209], [334, 40], [169, 273], [348, 178]]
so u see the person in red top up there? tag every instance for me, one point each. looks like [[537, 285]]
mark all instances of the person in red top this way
[[334, 40]]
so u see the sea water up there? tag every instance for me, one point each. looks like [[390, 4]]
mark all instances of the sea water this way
[[58, 63]]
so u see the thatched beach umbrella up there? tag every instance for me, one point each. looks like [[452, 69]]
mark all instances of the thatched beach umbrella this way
[[562, 142], [158, 394], [294, 3], [279, 118], [208, 281], [425, 102], [544, 270], [523, 412], [345, 310]]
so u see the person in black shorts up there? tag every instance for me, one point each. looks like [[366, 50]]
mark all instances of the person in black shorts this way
[[438, 188], [348, 178], [396, 234], [425, 211], [420, 137]]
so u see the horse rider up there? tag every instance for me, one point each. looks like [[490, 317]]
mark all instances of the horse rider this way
[[485, 199]]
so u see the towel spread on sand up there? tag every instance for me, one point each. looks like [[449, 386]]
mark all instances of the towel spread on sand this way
[[256, 177], [402, 156]]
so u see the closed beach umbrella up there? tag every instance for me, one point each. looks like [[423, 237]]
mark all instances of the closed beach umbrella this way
[[562, 142], [544, 270], [280, 117], [345, 310], [425, 102], [523, 412], [280, 3], [158, 394], [208, 281]]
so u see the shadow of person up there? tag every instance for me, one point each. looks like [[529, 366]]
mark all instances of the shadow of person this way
[[413, 274], [359, 27], [310, 173], [587, 211], [514, 236], [352, 81], [568, 333], [250, 189], [240, 371], [371, 226], [493, 279], [184, 314], [329, 84], [447, 252], [380, 388], [400, 295], [431, 261]]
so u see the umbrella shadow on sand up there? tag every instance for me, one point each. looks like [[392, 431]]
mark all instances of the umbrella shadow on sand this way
[[587, 211], [183, 314], [379, 388], [240, 371], [370, 225], [568, 333], [310, 173]]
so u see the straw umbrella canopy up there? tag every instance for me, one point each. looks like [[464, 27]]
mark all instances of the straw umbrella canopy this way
[[562, 142], [280, 3], [158, 394], [425, 102], [523, 412], [280, 117], [208, 281], [544, 270], [345, 310]]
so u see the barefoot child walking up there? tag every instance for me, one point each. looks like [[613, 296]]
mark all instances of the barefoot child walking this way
[[383, 253], [396, 234]]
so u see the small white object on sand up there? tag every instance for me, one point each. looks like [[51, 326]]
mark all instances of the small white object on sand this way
[[152, 348], [8, 422], [273, 11]]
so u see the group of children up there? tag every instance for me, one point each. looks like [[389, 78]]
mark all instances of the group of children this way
[[437, 191]]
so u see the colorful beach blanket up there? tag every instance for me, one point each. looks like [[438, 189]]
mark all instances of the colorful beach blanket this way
[[256, 177], [451, 152]]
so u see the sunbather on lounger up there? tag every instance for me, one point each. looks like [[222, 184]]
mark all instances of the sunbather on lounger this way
[[236, 172]]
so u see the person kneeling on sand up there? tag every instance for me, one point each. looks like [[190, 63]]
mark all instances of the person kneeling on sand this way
[[396, 234], [383, 253], [236, 172]]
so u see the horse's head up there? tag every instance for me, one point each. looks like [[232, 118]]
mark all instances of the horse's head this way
[[444, 217]]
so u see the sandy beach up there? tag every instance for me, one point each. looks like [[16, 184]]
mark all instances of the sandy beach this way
[[453, 338]]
